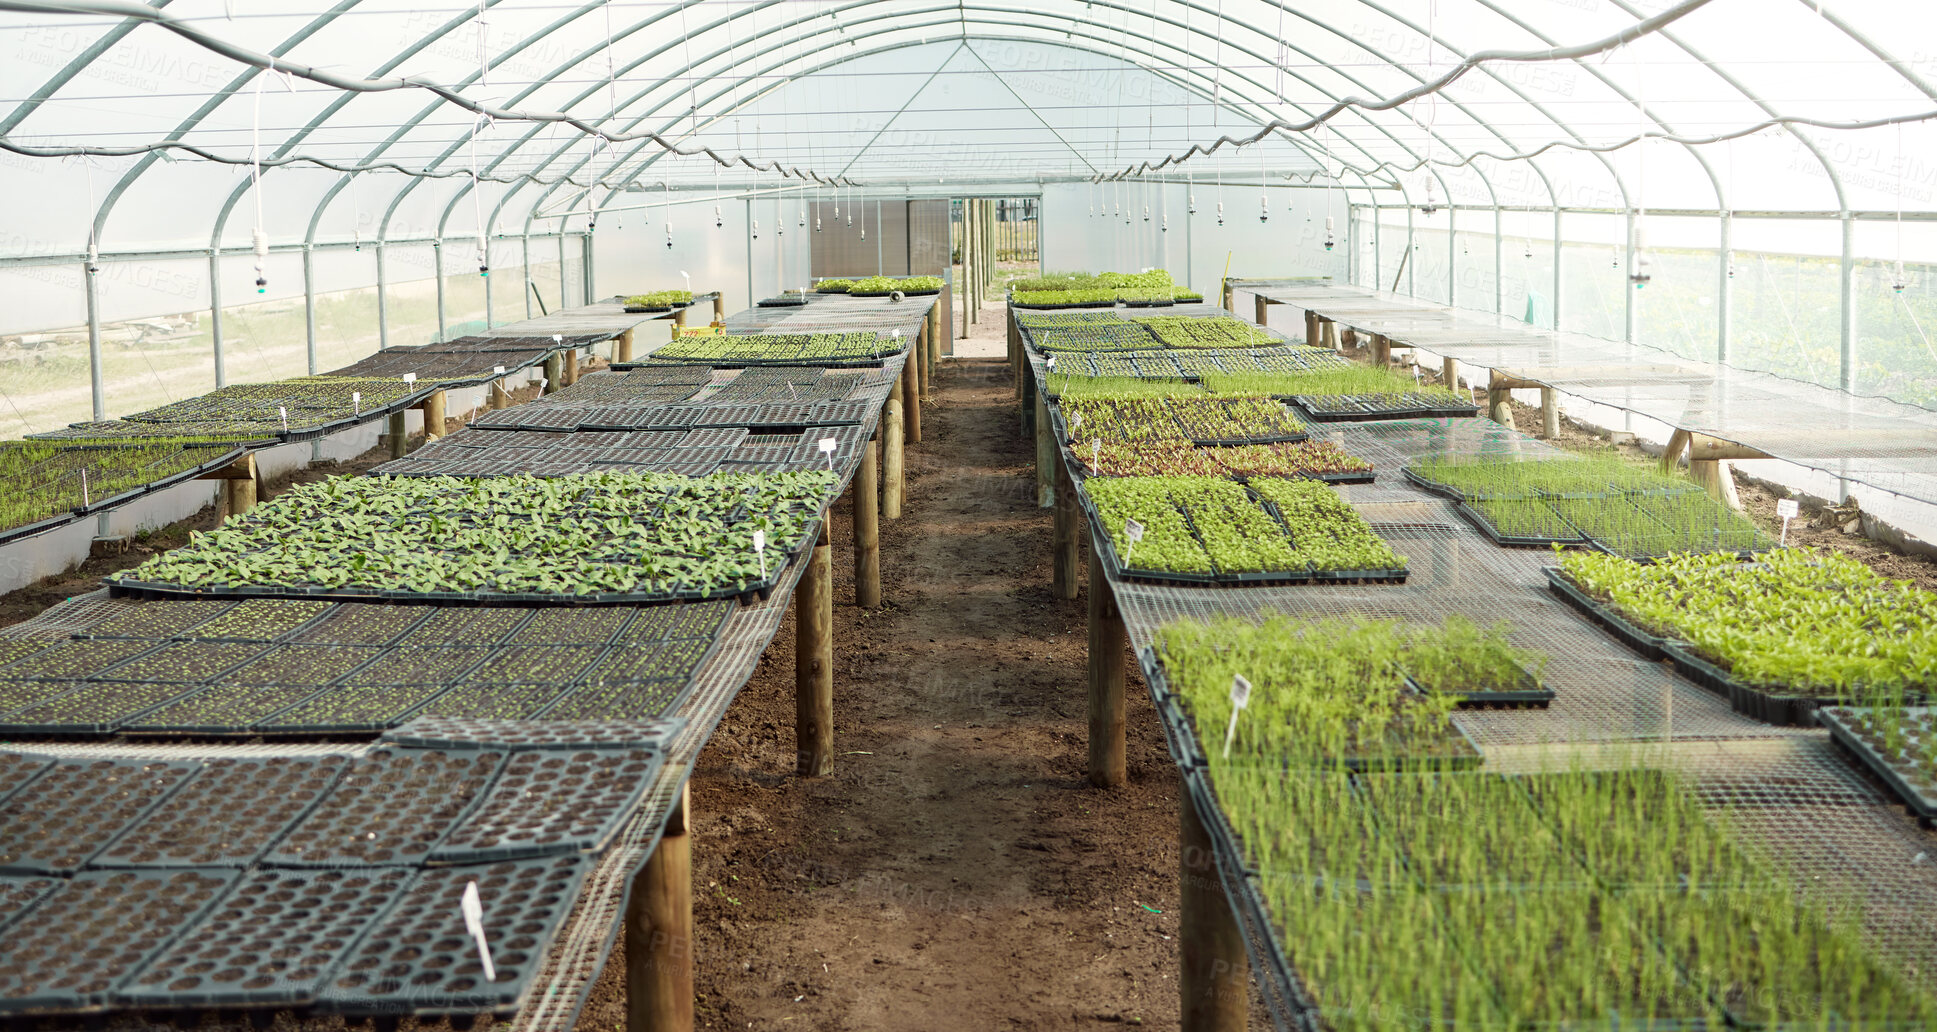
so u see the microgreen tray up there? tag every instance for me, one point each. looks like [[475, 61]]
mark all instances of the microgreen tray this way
[[1492, 533]]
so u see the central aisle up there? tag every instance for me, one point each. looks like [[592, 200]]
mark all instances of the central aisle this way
[[956, 871]]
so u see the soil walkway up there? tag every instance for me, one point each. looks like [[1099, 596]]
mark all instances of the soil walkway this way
[[956, 871]]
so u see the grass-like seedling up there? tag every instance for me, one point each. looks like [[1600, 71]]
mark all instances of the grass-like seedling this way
[[1207, 331], [1798, 623], [574, 535], [46, 479], [780, 347], [660, 299], [833, 286], [1461, 657], [1342, 388]]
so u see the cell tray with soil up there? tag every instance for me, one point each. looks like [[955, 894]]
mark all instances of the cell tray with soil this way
[[92, 708], [73, 660], [572, 626], [157, 620], [505, 702], [552, 801], [351, 709], [223, 709], [420, 958], [391, 807], [634, 700], [186, 662], [354, 624], [272, 941], [451, 625], [262, 619], [64, 816], [430, 732], [73, 948], [228, 815]]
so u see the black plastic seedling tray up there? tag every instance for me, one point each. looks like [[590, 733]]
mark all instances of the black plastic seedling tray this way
[[1492, 533], [18, 892], [1647, 644], [619, 700], [270, 942], [419, 958], [226, 709], [1841, 722], [1530, 693], [522, 735], [1770, 707], [483, 701], [71, 949], [392, 807], [92, 708], [552, 801], [17, 769], [1318, 414], [228, 815], [61, 819], [350, 710]]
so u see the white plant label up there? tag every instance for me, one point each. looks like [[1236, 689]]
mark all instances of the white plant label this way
[[356, 400], [85, 499], [410, 377], [497, 370], [1096, 455], [282, 412], [896, 334], [760, 549], [1787, 509], [827, 448], [1051, 363], [558, 338], [1075, 420], [1134, 531], [473, 909], [1240, 698]]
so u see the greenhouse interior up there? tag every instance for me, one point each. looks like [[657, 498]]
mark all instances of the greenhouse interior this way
[[739, 514]]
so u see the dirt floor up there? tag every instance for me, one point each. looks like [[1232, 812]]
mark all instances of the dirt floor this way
[[956, 871]]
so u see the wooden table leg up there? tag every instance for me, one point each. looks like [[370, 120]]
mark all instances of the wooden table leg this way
[[910, 402], [1045, 456], [918, 361], [659, 933], [435, 413], [1549, 413], [239, 486], [814, 663], [1066, 578], [1311, 329], [399, 434], [867, 531], [1260, 310], [891, 459], [554, 372], [1214, 974], [1108, 766], [622, 347], [1449, 372], [571, 367], [495, 396]]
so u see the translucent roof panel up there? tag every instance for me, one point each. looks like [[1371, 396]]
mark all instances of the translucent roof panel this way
[[1523, 103]]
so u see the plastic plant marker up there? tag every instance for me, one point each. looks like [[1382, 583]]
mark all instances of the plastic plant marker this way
[[1134, 531], [474, 923], [282, 412], [85, 500], [410, 377], [1240, 698], [356, 402], [760, 549], [1787, 508], [828, 444], [497, 370]]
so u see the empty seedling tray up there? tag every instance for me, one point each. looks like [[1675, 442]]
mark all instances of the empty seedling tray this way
[[552, 801], [228, 815], [61, 819], [522, 735], [392, 806]]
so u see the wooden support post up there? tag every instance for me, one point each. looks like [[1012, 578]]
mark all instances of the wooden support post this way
[[238, 484], [554, 372], [1045, 456], [1671, 455], [1017, 364], [814, 663], [1328, 333], [622, 347], [867, 530], [1499, 400], [1108, 766], [1718, 479], [1549, 414], [910, 402], [1312, 337], [935, 324], [934, 350], [719, 307], [1214, 974], [399, 435], [434, 416], [679, 319], [1449, 372], [891, 485], [495, 396], [659, 932], [918, 358], [571, 367], [1381, 351], [1065, 580], [1226, 292], [1260, 310]]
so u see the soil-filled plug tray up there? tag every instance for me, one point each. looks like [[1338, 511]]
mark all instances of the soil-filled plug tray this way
[[73, 948], [157, 620], [270, 942], [186, 662], [420, 959], [16, 769], [692, 620], [572, 626], [223, 709], [391, 807], [554, 801], [91, 708], [465, 626], [506, 702], [1897, 743], [621, 700], [73, 660], [351, 624], [18, 892], [228, 815], [351, 709], [62, 818], [520, 735]]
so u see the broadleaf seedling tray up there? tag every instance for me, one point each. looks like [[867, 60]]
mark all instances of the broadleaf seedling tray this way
[[1847, 728]]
